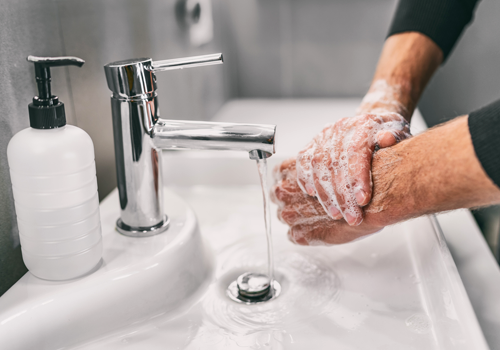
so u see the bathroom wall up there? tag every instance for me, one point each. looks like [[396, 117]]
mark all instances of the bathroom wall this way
[[26, 27], [329, 48], [99, 31], [306, 49], [471, 77]]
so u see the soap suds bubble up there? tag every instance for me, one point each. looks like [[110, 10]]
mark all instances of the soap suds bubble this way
[[419, 323]]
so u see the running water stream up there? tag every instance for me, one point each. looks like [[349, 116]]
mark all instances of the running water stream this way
[[262, 168], [251, 287]]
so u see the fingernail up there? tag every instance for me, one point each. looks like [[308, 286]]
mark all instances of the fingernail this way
[[301, 241], [360, 196], [310, 190], [334, 212], [351, 220]]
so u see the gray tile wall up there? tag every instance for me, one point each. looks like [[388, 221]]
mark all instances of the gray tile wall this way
[[314, 48], [22, 32], [471, 77]]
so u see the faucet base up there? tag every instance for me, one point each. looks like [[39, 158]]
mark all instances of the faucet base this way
[[132, 231]]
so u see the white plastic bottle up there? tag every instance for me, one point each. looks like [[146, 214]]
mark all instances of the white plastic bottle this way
[[54, 183]]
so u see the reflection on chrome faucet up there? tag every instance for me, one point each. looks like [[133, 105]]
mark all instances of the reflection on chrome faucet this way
[[140, 135]]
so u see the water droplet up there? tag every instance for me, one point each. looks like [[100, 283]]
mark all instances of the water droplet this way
[[419, 323]]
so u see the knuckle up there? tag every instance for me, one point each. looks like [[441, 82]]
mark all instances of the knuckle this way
[[290, 216]]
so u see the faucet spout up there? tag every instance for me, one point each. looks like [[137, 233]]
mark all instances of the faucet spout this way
[[257, 139]]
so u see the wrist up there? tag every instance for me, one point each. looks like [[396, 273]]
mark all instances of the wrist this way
[[387, 97], [393, 199], [406, 64], [433, 172]]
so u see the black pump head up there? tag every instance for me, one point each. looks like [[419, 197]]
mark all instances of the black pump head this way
[[46, 111]]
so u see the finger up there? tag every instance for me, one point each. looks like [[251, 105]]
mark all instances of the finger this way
[[326, 233], [281, 195], [303, 212], [272, 195], [277, 173], [290, 216], [287, 191], [388, 138], [304, 169], [281, 171], [310, 234], [322, 170], [341, 185], [359, 158], [394, 128], [322, 177], [300, 240], [279, 215]]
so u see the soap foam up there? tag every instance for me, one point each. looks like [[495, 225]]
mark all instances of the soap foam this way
[[382, 93], [331, 164]]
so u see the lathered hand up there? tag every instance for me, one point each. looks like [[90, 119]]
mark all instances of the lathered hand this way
[[335, 167], [435, 171], [308, 221]]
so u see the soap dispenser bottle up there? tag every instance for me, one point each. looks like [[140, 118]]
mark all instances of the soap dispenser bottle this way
[[53, 175]]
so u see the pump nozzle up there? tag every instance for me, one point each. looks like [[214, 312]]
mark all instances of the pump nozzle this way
[[46, 111]]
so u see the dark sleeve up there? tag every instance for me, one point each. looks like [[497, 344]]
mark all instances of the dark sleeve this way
[[484, 128], [441, 20]]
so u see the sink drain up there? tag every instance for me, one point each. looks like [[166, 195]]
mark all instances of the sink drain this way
[[253, 288]]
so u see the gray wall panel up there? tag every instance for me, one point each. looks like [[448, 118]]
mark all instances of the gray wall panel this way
[[315, 48], [471, 77], [26, 27]]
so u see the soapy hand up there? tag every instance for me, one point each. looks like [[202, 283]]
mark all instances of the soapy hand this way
[[335, 167], [308, 221], [435, 171]]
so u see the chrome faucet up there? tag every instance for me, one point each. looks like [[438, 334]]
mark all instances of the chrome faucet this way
[[140, 135]]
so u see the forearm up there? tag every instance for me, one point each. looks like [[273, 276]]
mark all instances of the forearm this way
[[432, 172], [407, 62]]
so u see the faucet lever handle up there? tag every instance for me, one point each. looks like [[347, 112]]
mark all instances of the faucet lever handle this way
[[187, 62]]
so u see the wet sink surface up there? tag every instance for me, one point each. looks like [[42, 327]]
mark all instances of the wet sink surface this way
[[390, 291]]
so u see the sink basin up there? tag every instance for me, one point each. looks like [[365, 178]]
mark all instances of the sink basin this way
[[398, 289], [138, 279]]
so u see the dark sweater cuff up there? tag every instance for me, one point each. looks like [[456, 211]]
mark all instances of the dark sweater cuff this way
[[441, 20], [484, 128]]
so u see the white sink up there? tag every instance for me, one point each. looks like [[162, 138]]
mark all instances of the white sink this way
[[398, 289], [139, 279]]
